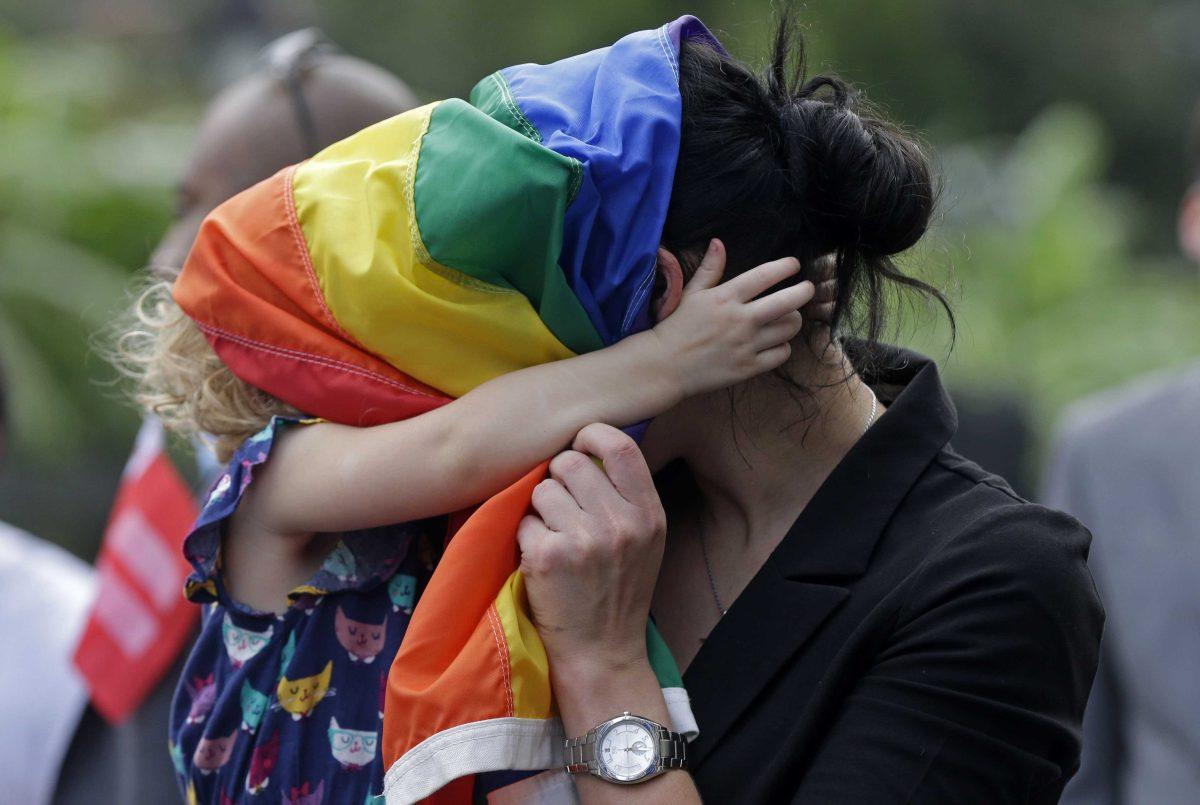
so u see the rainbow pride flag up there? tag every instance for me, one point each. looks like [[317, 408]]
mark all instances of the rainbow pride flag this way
[[405, 265]]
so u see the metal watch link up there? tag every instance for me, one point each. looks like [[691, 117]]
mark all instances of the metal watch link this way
[[627, 749]]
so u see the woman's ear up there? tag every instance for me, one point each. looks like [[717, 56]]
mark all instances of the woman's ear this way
[[670, 284]]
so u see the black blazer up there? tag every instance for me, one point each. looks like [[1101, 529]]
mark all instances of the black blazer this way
[[921, 634]]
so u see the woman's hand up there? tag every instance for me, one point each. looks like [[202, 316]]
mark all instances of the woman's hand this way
[[590, 558], [723, 333], [591, 554]]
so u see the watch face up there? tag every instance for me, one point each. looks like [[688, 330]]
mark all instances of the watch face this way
[[627, 750]]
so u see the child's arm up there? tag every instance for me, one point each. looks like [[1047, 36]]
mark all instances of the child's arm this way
[[330, 477]]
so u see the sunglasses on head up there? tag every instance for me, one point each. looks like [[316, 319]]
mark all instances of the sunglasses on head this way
[[287, 59]]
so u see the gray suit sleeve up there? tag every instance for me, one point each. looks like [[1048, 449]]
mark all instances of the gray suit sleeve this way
[[1098, 781]]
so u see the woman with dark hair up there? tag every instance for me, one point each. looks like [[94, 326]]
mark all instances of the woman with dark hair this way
[[861, 614]]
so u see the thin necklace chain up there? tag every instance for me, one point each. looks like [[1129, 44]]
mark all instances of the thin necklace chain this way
[[712, 581]]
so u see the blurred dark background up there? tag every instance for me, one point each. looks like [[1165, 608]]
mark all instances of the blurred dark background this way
[[1060, 128]]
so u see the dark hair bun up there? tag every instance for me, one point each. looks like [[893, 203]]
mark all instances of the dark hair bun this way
[[778, 164], [860, 181]]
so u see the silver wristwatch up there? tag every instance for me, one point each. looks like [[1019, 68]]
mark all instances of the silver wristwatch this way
[[626, 749]]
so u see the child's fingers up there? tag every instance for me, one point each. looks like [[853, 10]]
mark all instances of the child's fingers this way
[[773, 357], [711, 269], [751, 283], [623, 463], [783, 301], [783, 329]]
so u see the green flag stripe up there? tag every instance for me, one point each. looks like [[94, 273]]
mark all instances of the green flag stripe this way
[[493, 97], [661, 659], [490, 202]]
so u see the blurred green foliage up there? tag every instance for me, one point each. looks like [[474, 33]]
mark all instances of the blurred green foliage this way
[[85, 177], [1051, 300], [1055, 235]]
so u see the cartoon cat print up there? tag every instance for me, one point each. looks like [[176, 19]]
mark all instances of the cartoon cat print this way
[[341, 563], [262, 763], [402, 589], [243, 644], [203, 691], [213, 753], [362, 641], [302, 795], [299, 696], [354, 749], [254, 706], [177, 757], [285, 656]]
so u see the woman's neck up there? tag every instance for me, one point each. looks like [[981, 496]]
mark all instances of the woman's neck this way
[[759, 454]]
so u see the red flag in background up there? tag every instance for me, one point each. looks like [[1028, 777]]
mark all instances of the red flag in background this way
[[140, 619]]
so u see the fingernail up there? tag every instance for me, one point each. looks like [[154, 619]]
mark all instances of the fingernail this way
[[712, 246]]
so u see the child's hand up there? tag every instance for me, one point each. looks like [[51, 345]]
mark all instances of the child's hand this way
[[721, 334]]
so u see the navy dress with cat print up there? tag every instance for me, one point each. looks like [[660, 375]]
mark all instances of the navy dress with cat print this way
[[288, 708]]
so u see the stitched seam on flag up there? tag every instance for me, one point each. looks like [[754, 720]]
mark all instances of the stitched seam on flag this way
[[547, 732], [645, 285], [638, 295], [576, 180], [423, 256], [501, 647], [310, 358], [663, 43], [289, 204], [510, 103], [410, 179], [458, 278]]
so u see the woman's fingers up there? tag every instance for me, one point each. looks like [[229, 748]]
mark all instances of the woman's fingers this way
[[623, 461], [783, 329], [542, 550], [555, 505], [750, 284], [711, 269], [782, 302], [585, 481], [531, 533]]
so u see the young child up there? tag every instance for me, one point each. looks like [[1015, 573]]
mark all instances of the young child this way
[[306, 578]]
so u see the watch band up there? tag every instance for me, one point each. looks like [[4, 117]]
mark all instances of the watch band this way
[[580, 753]]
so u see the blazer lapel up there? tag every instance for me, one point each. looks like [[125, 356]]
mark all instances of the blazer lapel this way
[[767, 624], [810, 573]]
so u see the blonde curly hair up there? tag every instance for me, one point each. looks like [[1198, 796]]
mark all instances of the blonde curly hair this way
[[176, 375]]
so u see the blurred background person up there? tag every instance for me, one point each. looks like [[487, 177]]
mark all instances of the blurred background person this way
[[1127, 464], [304, 95], [46, 595]]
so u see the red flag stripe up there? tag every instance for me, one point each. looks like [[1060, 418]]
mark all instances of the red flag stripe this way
[[140, 620], [147, 555], [131, 624]]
